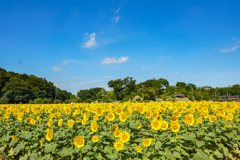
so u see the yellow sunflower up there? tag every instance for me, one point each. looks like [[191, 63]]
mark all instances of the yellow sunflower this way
[[122, 117], [49, 135], [164, 125], [95, 139], [175, 127], [156, 124], [118, 145], [147, 142], [117, 133], [79, 141], [70, 123], [110, 116], [60, 122], [212, 118], [14, 138], [124, 137], [138, 149], [189, 120]]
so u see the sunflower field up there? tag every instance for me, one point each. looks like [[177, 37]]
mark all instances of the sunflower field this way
[[150, 131]]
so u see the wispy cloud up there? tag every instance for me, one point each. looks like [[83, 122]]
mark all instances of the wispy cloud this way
[[65, 62], [113, 60], [184, 74], [86, 82], [74, 77], [57, 69], [116, 16], [57, 83], [198, 82], [91, 42], [234, 38], [116, 19], [107, 76], [143, 67], [229, 50], [176, 73]]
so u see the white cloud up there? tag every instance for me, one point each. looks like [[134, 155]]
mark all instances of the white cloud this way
[[143, 67], [57, 83], [157, 66], [116, 12], [92, 40], [229, 50], [107, 76], [198, 82], [116, 19], [74, 77], [176, 73], [116, 16], [185, 74], [57, 69], [234, 38], [113, 60], [86, 82], [65, 62]]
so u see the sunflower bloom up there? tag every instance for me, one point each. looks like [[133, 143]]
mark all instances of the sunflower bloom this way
[[95, 139], [124, 137], [175, 127], [60, 122], [212, 118], [189, 120], [138, 149], [117, 133], [79, 141], [49, 135], [155, 124], [14, 138], [147, 142], [118, 145], [70, 123], [164, 125], [110, 116]]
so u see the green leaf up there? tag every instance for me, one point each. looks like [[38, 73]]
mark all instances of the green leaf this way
[[33, 156], [85, 148], [108, 150], [25, 157], [112, 156], [158, 145], [225, 151], [200, 143], [145, 158], [12, 143], [200, 155], [26, 135], [2, 148], [11, 152], [184, 152], [173, 139], [169, 155], [50, 147], [177, 155], [218, 154], [5, 138], [19, 147], [65, 152]]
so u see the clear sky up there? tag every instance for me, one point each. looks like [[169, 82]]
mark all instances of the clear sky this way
[[83, 44]]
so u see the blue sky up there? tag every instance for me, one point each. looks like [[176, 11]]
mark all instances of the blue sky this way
[[83, 44]]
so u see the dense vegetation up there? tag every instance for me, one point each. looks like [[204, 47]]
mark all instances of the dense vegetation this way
[[23, 88]]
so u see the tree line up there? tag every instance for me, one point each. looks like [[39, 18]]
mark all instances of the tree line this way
[[154, 89], [18, 88], [22, 88]]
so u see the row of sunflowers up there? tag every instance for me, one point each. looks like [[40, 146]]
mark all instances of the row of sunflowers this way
[[150, 131]]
